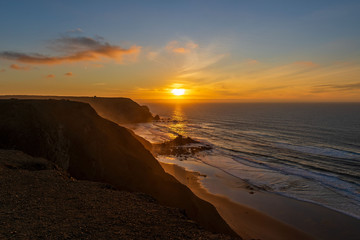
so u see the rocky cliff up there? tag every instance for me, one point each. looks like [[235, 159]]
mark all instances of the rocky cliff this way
[[119, 110], [72, 135]]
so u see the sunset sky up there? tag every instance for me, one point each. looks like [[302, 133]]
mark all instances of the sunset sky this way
[[239, 50]]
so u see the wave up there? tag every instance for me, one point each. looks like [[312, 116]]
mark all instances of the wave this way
[[293, 182], [324, 151], [314, 159]]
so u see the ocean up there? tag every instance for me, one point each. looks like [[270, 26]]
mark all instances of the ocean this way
[[306, 151]]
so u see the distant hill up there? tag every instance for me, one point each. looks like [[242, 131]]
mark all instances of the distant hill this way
[[74, 137], [119, 110]]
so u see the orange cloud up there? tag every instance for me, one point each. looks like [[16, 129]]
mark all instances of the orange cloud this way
[[180, 50], [306, 64], [176, 47], [50, 76], [17, 67], [252, 61], [68, 74], [337, 87], [76, 49]]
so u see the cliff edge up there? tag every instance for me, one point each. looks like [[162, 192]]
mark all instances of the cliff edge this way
[[72, 136], [119, 110]]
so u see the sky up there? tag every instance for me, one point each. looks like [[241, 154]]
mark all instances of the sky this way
[[251, 51]]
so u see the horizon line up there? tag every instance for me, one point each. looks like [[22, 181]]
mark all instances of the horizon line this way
[[207, 100]]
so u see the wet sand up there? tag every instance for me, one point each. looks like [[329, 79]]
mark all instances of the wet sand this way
[[309, 221]]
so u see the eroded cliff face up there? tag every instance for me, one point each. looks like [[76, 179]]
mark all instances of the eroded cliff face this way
[[119, 110], [75, 138]]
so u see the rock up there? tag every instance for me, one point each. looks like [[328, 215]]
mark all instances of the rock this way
[[180, 146], [18, 160], [72, 136], [119, 110]]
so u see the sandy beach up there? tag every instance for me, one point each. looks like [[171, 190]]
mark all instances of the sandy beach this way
[[309, 221]]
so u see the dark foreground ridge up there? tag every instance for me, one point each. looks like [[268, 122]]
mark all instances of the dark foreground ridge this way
[[72, 136], [119, 110], [39, 202]]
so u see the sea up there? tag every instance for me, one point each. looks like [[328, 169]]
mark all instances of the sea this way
[[305, 151]]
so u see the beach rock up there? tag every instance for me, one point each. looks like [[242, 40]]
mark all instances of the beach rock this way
[[180, 146], [74, 137], [180, 141]]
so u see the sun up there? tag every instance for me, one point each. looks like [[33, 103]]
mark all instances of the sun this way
[[178, 91]]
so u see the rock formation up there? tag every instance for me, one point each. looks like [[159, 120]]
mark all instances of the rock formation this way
[[72, 136], [180, 146], [119, 110]]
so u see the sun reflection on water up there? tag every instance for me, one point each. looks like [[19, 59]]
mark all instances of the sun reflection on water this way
[[177, 122]]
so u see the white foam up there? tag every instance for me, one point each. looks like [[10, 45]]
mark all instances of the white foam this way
[[324, 151]]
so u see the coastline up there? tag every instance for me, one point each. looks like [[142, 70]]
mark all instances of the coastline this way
[[88, 147], [260, 145], [271, 220]]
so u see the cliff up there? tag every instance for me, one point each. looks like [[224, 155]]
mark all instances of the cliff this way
[[40, 202], [72, 136], [119, 110]]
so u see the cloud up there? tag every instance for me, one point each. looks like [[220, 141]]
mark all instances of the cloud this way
[[152, 55], [17, 67], [50, 76], [76, 49], [76, 30], [306, 64], [336, 87], [187, 61], [176, 47], [252, 61], [99, 84], [69, 74]]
